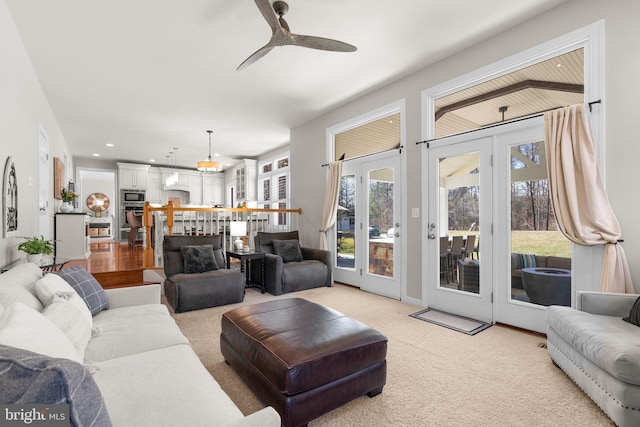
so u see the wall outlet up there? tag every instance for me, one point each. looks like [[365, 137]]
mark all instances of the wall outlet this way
[[415, 212]]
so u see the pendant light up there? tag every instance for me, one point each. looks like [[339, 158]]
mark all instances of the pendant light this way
[[208, 165]]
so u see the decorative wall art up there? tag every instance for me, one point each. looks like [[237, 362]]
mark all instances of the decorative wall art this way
[[9, 200], [58, 178]]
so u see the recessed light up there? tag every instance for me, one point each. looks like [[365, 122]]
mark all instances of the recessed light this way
[[96, 155], [216, 155], [152, 160], [108, 144]]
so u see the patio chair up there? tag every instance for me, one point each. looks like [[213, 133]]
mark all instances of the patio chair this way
[[467, 250], [445, 264], [455, 254]]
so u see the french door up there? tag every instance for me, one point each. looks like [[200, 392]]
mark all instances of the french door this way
[[460, 199], [368, 228], [527, 226], [492, 188]]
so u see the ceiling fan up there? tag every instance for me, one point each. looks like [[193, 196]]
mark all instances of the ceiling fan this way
[[282, 36]]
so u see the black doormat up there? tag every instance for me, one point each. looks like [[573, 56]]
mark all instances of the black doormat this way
[[451, 321]]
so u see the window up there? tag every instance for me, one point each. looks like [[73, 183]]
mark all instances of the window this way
[[273, 187]]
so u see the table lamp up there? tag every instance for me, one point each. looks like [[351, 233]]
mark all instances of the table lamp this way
[[238, 229]]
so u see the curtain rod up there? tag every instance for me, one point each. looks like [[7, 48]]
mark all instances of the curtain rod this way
[[399, 148], [599, 101]]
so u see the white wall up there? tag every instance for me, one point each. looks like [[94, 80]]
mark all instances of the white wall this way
[[622, 64], [23, 106]]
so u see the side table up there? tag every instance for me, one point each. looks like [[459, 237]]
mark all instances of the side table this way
[[245, 266]]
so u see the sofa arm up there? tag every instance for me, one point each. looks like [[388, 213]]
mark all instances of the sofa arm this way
[[134, 295], [272, 273], [266, 417], [605, 303], [322, 256]]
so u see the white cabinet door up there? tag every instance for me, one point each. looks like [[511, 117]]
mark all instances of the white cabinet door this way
[[213, 189], [133, 176], [141, 179], [195, 186], [154, 189], [127, 178]]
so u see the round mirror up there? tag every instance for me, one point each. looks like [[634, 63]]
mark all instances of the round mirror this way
[[98, 202]]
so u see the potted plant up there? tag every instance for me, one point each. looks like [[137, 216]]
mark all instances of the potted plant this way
[[67, 197], [35, 247]]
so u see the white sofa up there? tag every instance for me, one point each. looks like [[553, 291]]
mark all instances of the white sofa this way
[[143, 366], [599, 351]]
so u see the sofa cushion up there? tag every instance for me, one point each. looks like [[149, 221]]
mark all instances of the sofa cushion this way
[[198, 258], [34, 378], [51, 285], [18, 285], [558, 262], [86, 286], [166, 387], [25, 328], [634, 314], [289, 250], [129, 330], [70, 320], [607, 341], [303, 275]]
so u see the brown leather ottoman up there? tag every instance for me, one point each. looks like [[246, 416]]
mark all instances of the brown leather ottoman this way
[[302, 358]]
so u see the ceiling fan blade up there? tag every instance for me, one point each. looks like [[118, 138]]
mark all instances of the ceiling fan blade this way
[[269, 15], [322, 43], [255, 56]]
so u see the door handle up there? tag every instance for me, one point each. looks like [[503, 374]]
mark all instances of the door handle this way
[[431, 236]]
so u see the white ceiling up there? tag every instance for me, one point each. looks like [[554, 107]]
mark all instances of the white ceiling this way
[[150, 75]]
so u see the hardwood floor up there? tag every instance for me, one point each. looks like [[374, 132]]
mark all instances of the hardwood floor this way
[[114, 264]]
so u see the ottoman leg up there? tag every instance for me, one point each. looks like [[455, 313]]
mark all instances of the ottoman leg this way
[[375, 392]]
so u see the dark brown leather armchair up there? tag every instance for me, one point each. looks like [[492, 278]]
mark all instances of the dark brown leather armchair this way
[[193, 291], [315, 269]]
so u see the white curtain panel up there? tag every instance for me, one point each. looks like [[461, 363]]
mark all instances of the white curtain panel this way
[[330, 207], [578, 197]]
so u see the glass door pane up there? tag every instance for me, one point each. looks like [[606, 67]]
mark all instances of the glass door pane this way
[[459, 178], [460, 200], [540, 254], [345, 223], [381, 231]]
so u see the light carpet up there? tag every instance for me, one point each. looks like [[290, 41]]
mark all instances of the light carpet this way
[[436, 376]]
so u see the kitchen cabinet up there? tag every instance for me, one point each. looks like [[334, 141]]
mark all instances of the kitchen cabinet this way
[[133, 176], [246, 174], [213, 189], [195, 188], [154, 188], [71, 236]]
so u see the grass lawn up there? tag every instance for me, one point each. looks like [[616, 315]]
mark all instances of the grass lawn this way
[[522, 242], [540, 243]]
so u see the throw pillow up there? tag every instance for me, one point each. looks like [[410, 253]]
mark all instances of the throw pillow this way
[[25, 328], [66, 316], [52, 284], [634, 314], [528, 261], [34, 378], [289, 250], [198, 258], [87, 287], [18, 285]]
